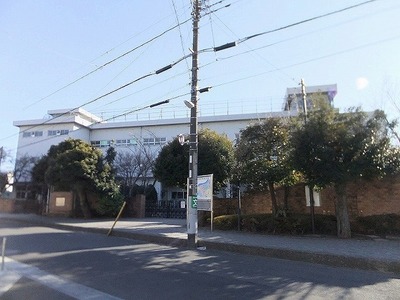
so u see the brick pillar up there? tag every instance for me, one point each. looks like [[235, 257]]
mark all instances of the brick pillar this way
[[139, 206]]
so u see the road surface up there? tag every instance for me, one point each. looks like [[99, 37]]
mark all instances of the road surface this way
[[47, 263]]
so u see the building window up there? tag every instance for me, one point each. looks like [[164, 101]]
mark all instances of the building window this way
[[178, 195], [32, 134], [95, 143], [57, 132], [104, 143], [101, 144], [154, 141], [126, 142]]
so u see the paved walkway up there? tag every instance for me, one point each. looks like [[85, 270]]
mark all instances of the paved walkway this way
[[364, 253]]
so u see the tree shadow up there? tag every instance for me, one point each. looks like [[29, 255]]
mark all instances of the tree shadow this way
[[132, 269]]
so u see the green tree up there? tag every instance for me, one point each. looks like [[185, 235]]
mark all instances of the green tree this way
[[263, 156], [336, 149], [77, 166], [215, 156]]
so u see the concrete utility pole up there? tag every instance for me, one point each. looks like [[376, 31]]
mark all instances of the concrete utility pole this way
[[192, 225], [304, 95], [1, 156], [310, 188]]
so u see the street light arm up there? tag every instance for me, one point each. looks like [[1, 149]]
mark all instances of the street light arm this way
[[159, 103]]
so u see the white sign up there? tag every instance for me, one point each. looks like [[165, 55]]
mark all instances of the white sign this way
[[60, 201], [315, 194], [205, 192]]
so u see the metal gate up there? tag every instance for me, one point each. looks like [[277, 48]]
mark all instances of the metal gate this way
[[165, 209]]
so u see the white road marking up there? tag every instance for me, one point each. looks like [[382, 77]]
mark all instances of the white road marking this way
[[16, 269], [7, 280]]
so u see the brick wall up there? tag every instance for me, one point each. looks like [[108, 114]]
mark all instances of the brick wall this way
[[374, 197], [139, 206], [7, 205], [61, 203], [365, 198]]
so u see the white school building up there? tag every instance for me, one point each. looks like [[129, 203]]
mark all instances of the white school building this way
[[38, 135]]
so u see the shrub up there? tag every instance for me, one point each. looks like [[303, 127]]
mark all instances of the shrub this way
[[267, 223], [301, 224], [108, 206], [225, 222], [377, 224]]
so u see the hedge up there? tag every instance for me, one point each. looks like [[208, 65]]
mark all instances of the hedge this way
[[301, 224]]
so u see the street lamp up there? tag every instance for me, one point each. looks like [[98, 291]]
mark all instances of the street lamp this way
[[189, 104]]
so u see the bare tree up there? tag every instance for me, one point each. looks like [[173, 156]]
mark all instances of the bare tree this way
[[135, 166], [23, 168], [147, 159], [4, 155]]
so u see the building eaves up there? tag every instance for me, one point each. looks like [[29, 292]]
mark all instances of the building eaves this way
[[180, 121]]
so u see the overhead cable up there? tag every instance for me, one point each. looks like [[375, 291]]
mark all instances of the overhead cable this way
[[232, 44], [110, 62]]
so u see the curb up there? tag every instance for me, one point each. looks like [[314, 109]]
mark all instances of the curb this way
[[317, 258], [294, 255]]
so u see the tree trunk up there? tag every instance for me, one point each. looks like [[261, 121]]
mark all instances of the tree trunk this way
[[286, 197], [84, 204], [342, 215], [273, 197]]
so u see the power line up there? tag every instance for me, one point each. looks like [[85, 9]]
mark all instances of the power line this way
[[159, 71], [253, 51], [186, 56], [146, 88], [111, 118], [303, 34], [307, 20], [235, 43], [110, 62], [180, 32], [311, 60], [117, 58], [218, 85]]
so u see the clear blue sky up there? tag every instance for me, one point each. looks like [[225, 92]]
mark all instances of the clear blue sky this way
[[45, 45]]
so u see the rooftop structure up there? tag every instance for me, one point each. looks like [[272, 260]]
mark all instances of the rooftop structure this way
[[294, 98]]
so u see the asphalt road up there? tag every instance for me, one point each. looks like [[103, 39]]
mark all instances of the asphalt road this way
[[46, 263]]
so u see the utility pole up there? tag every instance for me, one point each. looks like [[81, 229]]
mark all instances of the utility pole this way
[[310, 188], [1, 156], [304, 95], [192, 225]]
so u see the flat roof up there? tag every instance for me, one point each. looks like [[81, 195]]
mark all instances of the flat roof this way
[[313, 89], [205, 119]]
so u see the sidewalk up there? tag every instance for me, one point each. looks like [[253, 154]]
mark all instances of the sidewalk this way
[[370, 254]]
